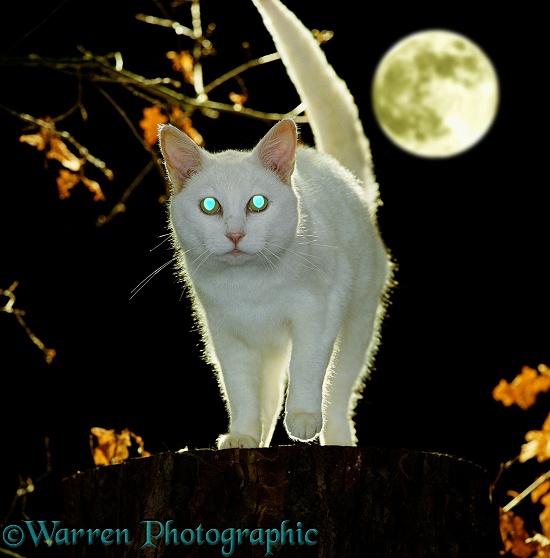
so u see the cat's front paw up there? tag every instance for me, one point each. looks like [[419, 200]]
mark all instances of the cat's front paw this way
[[227, 441], [303, 426]]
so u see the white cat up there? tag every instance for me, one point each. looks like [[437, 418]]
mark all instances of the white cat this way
[[282, 257]]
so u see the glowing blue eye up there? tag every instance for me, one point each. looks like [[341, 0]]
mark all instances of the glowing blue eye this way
[[210, 206], [257, 203]]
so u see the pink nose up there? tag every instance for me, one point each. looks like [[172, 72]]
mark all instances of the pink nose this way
[[235, 237]]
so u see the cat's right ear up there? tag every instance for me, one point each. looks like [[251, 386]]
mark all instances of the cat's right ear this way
[[182, 156], [277, 149]]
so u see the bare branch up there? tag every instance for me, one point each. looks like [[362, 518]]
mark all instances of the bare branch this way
[[99, 69], [120, 206], [177, 27], [50, 126], [240, 69], [49, 354], [526, 492]]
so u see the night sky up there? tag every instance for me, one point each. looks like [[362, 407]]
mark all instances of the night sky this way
[[469, 235]]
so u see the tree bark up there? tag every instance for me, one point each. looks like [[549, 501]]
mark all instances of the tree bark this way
[[301, 500]]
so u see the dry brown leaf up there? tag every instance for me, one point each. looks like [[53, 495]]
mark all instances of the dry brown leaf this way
[[94, 187], [104, 451], [180, 119], [538, 443], [65, 182], [323, 36], [514, 535], [152, 117], [38, 140], [238, 98], [110, 447], [540, 491], [57, 149], [184, 63], [60, 152], [123, 442], [141, 449], [193, 133], [524, 388], [543, 548], [68, 180], [177, 117], [544, 517]]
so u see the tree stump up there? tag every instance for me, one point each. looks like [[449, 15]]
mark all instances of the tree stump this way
[[299, 501]]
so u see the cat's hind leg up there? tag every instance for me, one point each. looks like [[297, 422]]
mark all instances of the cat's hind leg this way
[[356, 345]]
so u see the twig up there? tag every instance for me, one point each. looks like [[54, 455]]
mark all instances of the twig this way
[[197, 50], [503, 467], [156, 87], [120, 206], [526, 492], [129, 123], [240, 69], [27, 486], [177, 27], [8, 308], [82, 151]]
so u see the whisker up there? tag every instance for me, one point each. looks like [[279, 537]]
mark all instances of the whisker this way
[[273, 266], [142, 284], [284, 263], [166, 237], [313, 242], [203, 260], [302, 256], [194, 248]]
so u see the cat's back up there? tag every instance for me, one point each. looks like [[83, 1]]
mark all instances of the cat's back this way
[[326, 186]]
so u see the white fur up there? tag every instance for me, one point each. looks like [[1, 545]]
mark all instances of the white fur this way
[[287, 298]]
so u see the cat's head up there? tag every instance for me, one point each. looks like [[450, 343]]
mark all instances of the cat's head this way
[[232, 206]]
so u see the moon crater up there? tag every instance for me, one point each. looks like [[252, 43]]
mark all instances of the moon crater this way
[[435, 93]]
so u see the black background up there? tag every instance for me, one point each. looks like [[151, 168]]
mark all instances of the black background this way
[[469, 234]]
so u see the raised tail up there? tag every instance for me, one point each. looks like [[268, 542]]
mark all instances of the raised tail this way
[[330, 107]]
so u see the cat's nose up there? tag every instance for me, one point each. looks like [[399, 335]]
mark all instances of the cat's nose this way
[[235, 237]]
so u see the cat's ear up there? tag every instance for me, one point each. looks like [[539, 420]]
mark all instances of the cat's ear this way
[[277, 149], [182, 156]]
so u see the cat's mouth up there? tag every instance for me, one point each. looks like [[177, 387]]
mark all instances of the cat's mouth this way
[[236, 255]]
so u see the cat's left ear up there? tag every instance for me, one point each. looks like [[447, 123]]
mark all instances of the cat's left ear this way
[[182, 156], [277, 149]]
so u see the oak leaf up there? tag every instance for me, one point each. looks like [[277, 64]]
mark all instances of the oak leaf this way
[[65, 182], [38, 140], [60, 152], [544, 517], [540, 491], [94, 188], [105, 449], [514, 535], [524, 388], [238, 99], [180, 119], [57, 149], [152, 117], [184, 63], [538, 443], [68, 180], [110, 447]]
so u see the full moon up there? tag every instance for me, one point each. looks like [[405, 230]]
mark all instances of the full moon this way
[[435, 93]]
